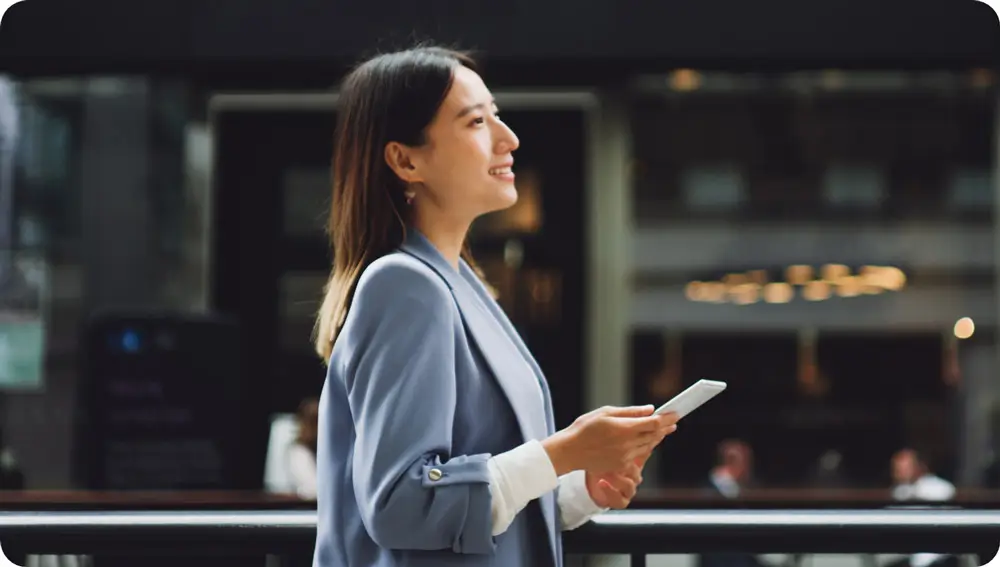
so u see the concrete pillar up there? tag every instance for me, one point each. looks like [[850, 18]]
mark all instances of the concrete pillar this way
[[609, 248], [115, 204], [990, 398], [980, 401], [609, 254], [978, 364]]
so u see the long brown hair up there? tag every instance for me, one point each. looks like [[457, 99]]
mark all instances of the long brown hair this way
[[391, 97]]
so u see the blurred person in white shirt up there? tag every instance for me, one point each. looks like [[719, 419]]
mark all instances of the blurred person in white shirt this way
[[913, 481]]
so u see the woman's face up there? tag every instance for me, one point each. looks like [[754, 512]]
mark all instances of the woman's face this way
[[464, 169]]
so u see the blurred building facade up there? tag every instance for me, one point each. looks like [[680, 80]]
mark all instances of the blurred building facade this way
[[808, 218]]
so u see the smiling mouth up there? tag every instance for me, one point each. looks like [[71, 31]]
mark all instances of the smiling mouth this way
[[500, 171]]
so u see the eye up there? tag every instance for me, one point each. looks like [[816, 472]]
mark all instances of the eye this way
[[478, 121]]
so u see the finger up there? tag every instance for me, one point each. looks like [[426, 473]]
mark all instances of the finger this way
[[633, 463], [669, 418], [599, 411], [624, 485], [637, 449], [611, 496], [653, 437], [668, 430], [640, 461], [641, 452], [661, 433], [630, 411], [633, 472], [665, 421], [637, 452], [636, 425], [628, 488]]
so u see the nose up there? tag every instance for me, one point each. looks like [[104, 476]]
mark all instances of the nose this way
[[506, 139]]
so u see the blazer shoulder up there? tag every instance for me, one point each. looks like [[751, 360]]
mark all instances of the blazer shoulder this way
[[401, 277]]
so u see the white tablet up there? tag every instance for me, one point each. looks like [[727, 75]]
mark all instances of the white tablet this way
[[692, 398]]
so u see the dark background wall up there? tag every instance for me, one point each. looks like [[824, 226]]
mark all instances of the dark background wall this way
[[290, 36]]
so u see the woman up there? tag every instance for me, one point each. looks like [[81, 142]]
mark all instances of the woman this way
[[301, 453], [436, 438]]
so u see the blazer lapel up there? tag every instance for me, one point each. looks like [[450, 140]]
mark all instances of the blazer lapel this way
[[548, 501], [500, 353], [507, 364], [501, 317], [504, 352]]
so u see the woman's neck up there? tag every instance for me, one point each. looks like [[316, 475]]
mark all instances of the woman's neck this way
[[447, 238]]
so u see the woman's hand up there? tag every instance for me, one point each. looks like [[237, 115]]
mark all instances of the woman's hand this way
[[617, 489], [608, 439]]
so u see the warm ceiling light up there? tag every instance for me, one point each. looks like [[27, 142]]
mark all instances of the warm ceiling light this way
[[832, 273], [711, 292], [733, 280], [685, 80], [758, 277], [799, 274], [894, 278], [817, 284], [964, 328], [694, 291], [885, 277], [745, 294], [816, 291], [778, 293], [871, 289], [715, 292], [850, 286]]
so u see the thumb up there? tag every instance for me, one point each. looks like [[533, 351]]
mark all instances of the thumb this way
[[631, 411]]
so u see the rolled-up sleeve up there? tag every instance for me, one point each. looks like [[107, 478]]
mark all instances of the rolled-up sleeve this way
[[412, 491], [576, 507]]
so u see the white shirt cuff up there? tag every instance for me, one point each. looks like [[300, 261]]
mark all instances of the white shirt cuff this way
[[516, 478], [576, 507]]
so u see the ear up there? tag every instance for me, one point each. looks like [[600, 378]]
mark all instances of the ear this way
[[399, 158]]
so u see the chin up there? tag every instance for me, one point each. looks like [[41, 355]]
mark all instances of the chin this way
[[507, 197], [498, 198]]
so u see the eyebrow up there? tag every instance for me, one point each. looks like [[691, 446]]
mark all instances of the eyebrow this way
[[468, 109]]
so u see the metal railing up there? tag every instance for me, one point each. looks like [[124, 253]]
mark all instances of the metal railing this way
[[636, 533]]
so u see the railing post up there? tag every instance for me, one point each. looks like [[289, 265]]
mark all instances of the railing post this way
[[638, 560]]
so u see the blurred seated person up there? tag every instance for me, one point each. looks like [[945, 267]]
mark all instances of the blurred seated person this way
[[914, 481], [733, 468], [731, 473], [301, 454]]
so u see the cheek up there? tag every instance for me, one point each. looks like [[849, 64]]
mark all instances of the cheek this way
[[448, 179], [475, 153], [467, 162], [458, 168]]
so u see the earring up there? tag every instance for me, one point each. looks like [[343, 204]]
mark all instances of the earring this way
[[409, 197]]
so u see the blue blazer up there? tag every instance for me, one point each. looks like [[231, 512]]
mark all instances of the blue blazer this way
[[427, 380]]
